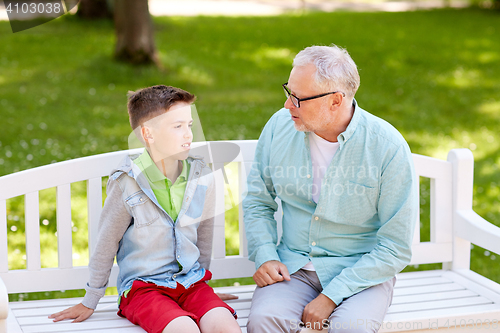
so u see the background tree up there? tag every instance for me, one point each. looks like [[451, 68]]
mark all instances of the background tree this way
[[134, 32], [94, 9]]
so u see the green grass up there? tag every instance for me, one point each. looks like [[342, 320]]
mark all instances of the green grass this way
[[435, 75]]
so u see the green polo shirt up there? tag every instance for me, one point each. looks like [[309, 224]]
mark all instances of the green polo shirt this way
[[169, 195]]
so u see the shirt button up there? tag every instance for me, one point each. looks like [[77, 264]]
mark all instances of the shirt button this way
[[313, 243], [308, 176], [175, 276], [316, 218], [178, 257]]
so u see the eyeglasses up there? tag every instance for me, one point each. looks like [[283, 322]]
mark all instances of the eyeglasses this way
[[296, 101]]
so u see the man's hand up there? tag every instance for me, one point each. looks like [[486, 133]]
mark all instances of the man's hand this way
[[226, 297], [78, 312], [317, 312], [271, 272]]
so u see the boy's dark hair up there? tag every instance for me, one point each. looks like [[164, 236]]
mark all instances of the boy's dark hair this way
[[147, 103]]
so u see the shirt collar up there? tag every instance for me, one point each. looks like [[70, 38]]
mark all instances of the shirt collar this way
[[151, 171], [185, 171], [353, 124]]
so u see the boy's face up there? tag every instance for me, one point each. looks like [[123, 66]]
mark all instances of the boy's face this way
[[169, 135]]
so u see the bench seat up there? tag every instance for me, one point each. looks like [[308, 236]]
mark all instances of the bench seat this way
[[422, 300]]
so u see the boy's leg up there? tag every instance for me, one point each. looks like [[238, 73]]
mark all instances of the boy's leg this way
[[182, 324], [219, 320], [152, 307], [214, 314], [279, 306]]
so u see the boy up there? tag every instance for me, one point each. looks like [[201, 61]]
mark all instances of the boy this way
[[158, 222]]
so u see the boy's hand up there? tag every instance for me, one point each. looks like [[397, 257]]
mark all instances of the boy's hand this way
[[78, 312], [226, 297]]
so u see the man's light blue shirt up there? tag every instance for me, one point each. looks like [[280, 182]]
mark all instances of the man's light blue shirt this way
[[359, 234]]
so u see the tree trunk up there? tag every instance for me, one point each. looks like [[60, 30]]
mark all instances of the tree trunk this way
[[94, 9], [134, 32]]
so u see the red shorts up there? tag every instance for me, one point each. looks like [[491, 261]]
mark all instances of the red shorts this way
[[153, 307]]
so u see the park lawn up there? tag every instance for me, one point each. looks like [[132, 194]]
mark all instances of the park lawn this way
[[435, 75]]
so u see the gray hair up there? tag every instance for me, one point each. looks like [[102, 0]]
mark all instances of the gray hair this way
[[335, 69]]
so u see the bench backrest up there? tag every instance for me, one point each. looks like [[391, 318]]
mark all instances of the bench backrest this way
[[447, 178]]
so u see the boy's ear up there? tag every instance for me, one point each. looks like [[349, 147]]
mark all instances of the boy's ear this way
[[146, 134]]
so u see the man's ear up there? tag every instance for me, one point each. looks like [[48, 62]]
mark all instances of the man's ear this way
[[147, 134], [336, 101]]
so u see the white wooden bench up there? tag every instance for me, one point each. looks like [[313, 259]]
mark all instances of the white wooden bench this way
[[452, 299]]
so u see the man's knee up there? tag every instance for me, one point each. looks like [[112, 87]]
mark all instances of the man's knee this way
[[259, 317], [266, 321]]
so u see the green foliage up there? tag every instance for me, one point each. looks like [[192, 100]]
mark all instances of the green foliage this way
[[434, 75]]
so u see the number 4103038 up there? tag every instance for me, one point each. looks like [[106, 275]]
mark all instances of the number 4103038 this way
[[35, 8]]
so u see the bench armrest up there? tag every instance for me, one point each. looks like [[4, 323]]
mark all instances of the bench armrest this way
[[4, 301], [472, 227]]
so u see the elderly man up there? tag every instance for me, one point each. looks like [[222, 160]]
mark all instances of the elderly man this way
[[347, 187]]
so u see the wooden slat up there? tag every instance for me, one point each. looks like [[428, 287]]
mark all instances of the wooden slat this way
[[427, 297], [64, 228], [416, 234], [32, 218], [492, 292], [247, 149], [231, 267], [236, 289], [12, 324], [44, 320], [441, 210], [56, 174], [219, 241], [427, 253], [66, 326], [4, 250], [48, 279], [463, 184], [428, 289], [243, 171], [460, 312], [47, 307], [243, 315], [472, 227], [94, 206], [492, 286], [419, 274], [439, 304], [430, 167], [430, 281], [132, 329]]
